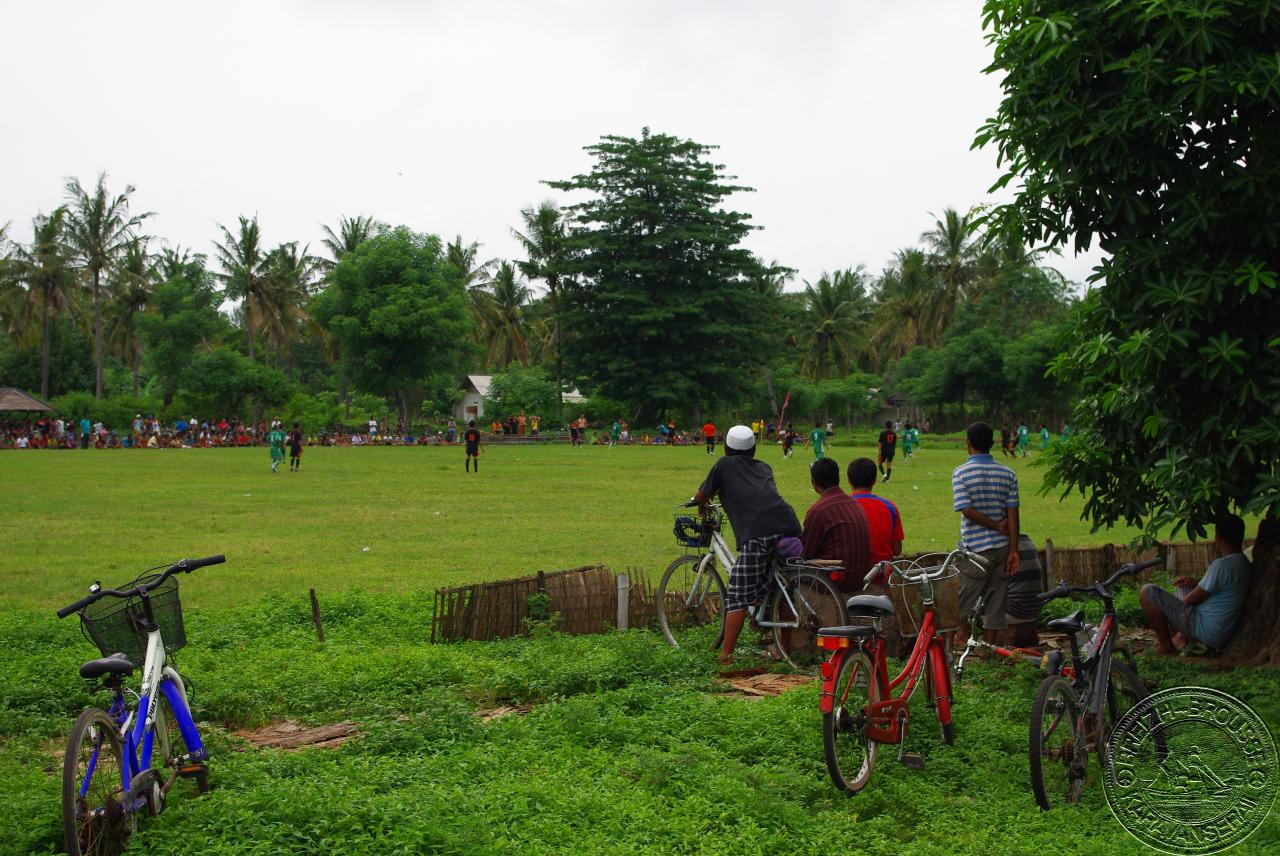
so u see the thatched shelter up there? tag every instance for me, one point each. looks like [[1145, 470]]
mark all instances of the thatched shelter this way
[[13, 399]]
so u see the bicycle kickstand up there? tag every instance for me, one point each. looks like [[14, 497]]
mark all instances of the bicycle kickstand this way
[[910, 760]]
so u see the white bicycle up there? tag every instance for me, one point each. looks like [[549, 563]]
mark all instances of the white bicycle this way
[[801, 598]]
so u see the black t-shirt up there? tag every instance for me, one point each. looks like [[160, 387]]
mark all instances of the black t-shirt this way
[[472, 437], [750, 497], [888, 439]]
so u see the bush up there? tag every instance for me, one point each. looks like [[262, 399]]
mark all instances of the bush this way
[[115, 412]]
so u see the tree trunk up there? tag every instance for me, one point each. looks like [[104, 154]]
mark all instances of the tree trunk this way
[[768, 387], [44, 354], [97, 333], [1257, 642]]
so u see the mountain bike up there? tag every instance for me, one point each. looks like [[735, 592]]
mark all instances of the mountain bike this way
[[800, 600], [116, 759], [1073, 713], [858, 711]]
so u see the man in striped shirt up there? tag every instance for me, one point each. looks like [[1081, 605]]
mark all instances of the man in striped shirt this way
[[986, 495]]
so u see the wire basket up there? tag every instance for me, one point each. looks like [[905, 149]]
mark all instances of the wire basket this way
[[115, 624], [692, 531], [908, 596]]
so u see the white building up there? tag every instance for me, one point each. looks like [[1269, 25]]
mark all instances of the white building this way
[[476, 389]]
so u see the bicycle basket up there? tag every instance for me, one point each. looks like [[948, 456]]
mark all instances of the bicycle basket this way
[[115, 624], [691, 532], [908, 596]]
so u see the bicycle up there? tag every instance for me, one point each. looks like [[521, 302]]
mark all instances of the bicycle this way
[[108, 775], [858, 713], [1051, 661], [1088, 703], [800, 600]]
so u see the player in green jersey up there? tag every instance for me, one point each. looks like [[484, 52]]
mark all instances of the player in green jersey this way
[[276, 439], [817, 437]]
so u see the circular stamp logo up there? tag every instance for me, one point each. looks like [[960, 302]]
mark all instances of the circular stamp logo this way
[[1190, 770]]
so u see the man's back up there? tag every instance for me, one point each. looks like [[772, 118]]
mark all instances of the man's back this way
[[835, 527], [990, 487], [750, 497], [1227, 582], [884, 523]]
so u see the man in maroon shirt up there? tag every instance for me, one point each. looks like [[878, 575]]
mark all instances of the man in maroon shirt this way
[[835, 527]]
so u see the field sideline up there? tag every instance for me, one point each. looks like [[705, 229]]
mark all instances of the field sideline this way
[[73, 517]]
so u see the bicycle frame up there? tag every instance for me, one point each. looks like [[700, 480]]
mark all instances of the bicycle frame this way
[[725, 556]]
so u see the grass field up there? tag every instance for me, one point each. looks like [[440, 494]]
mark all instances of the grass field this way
[[73, 517], [631, 746]]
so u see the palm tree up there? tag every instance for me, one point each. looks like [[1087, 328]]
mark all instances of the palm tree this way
[[952, 254], [837, 310], [45, 270], [769, 284], [544, 242], [244, 272], [132, 280], [464, 259], [289, 274], [352, 232], [175, 262], [907, 305], [98, 228], [499, 306]]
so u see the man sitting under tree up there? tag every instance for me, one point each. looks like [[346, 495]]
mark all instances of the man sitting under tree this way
[[1207, 611], [760, 517]]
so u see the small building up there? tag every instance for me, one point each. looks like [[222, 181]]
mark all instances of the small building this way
[[474, 390]]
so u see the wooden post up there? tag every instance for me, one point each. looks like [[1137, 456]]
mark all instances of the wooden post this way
[[624, 601], [1170, 557], [1046, 572], [315, 615]]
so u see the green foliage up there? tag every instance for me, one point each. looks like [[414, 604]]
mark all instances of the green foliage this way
[[396, 312], [115, 412], [661, 302], [182, 313], [517, 389], [1152, 129], [70, 360], [222, 380]]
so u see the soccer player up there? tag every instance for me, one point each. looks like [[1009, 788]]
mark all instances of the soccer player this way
[[615, 431], [276, 440], [788, 442], [1024, 439], [295, 448], [472, 439], [709, 434], [888, 441], [1044, 437], [817, 437]]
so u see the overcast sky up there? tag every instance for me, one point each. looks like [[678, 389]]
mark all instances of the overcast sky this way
[[852, 120]]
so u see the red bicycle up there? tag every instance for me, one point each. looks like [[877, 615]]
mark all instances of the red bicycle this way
[[859, 709]]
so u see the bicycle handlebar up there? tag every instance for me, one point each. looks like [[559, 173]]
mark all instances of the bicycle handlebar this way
[[1098, 588], [180, 566], [881, 569]]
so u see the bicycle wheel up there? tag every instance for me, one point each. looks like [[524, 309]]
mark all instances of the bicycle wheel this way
[[171, 749], [1058, 759], [819, 604], [850, 755], [1124, 691], [691, 594], [95, 820]]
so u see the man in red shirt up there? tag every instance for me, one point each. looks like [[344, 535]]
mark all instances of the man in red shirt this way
[[709, 432], [882, 515], [835, 527]]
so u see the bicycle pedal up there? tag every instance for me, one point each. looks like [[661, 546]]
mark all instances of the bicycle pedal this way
[[186, 771], [912, 760]]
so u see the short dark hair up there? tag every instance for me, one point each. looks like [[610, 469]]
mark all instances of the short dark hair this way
[[825, 473], [1230, 528], [471, 424], [888, 423], [980, 436], [862, 472]]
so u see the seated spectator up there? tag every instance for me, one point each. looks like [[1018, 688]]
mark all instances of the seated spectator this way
[[882, 515], [835, 527], [1207, 611]]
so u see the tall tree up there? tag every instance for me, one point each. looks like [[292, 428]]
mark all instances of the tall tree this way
[[500, 307], [464, 261], [398, 312], [952, 255], [132, 279], [352, 232], [99, 226], [837, 309], [907, 304], [288, 273], [544, 240], [181, 318], [44, 269], [661, 309], [244, 272], [1155, 131]]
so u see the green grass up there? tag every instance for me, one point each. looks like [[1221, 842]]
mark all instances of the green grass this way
[[631, 748], [73, 517]]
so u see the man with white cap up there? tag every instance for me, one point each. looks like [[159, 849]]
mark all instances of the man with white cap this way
[[760, 518]]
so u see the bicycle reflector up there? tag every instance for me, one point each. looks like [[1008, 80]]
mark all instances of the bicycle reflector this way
[[833, 643]]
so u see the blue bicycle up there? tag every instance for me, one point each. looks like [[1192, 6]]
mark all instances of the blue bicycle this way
[[123, 760]]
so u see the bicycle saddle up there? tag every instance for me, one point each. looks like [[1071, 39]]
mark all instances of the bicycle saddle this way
[[116, 664], [874, 605], [852, 631], [1070, 624]]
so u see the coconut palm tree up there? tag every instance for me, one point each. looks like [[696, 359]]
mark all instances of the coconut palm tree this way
[[952, 254], [544, 242], [352, 232], [907, 304], [132, 281], [289, 275], [468, 270], [244, 272], [499, 306], [837, 310], [48, 278], [98, 228]]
